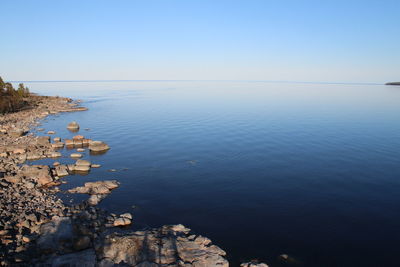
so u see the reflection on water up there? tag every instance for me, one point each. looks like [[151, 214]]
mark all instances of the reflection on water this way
[[310, 170]]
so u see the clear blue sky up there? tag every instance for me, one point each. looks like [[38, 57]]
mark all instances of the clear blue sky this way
[[335, 41]]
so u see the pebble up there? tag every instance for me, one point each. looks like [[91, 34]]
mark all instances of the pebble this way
[[76, 155]]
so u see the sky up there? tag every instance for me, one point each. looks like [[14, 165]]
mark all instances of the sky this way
[[282, 40]]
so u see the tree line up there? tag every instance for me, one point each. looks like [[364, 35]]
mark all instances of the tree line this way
[[12, 99]]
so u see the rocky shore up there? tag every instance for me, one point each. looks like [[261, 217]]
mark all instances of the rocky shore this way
[[38, 229]]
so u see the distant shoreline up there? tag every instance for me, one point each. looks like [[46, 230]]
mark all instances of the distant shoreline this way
[[393, 83]]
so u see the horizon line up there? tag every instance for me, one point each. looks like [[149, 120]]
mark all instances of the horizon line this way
[[260, 81]]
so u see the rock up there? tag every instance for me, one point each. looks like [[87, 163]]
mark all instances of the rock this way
[[57, 139], [43, 140], [253, 264], [78, 137], [76, 155], [81, 168], [86, 142], [93, 200], [54, 155], [78, 143], [17, 132], [51, 132], [33, 156], [26, 239], [166, 246], [56, 163], [93, 188], [288, 259], [82, 162], [95, 165], [73, 126], [13, 179], [82, 242], [80, 150], [84, 258], [61, 170], [69, 142], [55, 235], [122, 222], [98, 146], [19, 151], [39, 173], [126, 215], [71, 167], [57, 145]]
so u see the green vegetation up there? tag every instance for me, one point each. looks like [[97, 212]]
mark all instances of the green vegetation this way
[[12, 99]]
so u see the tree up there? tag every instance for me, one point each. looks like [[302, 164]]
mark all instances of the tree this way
[[2, 85], [22, 90]]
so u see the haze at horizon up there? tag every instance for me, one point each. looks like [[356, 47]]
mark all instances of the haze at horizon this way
[[339, 41]]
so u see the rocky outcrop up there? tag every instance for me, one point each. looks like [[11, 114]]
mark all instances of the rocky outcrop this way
[[94, 188], [165, 246]]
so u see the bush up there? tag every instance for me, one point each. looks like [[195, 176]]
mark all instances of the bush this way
[[10, 99]]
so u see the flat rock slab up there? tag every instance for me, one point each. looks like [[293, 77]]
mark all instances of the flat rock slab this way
[[165, 246]]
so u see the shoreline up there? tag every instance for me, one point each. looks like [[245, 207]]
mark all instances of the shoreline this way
[[38, 228]]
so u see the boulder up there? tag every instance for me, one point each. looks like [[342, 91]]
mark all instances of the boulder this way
[[61, 170], [73, 126], [43, 140], [82, 162], [81, 168], [69, 142], [122, 222], [98, 146], [57, 145], [78, 137]]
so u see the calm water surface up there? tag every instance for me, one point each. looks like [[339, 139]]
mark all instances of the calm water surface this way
[[311, 170]]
